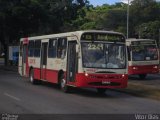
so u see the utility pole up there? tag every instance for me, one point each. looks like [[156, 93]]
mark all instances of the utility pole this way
[[159, 39], [127, 18]]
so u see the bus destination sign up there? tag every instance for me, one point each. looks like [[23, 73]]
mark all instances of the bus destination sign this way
[[143, 42], [103, 37]]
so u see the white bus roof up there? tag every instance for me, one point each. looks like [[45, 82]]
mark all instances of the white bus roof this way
[[75, 33]]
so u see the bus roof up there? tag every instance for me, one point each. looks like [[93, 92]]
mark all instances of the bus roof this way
[[75, 33]]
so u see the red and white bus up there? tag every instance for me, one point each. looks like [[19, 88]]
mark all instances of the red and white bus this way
[[143, 57], [95, 59]]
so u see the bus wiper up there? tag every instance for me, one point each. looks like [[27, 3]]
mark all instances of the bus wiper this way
[[105, 72]]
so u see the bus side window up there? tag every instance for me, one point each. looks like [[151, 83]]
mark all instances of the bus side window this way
[[61, 50], [31, 49], [129, 53], [52, 48], [37, 48]]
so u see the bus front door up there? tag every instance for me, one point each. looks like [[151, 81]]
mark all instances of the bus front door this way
[[71, 61], [43, 63]]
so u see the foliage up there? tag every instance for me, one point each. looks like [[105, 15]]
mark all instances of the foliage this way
[[21, 18], [149, 30], [114, 17], [143, 11]]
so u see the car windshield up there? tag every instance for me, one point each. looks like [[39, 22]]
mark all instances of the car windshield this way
[[103, 55], [144, 52]]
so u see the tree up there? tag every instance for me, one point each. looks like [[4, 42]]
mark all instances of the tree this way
[[142, 11], [114, 19], [108, 17], [149, 30], [21, 18]]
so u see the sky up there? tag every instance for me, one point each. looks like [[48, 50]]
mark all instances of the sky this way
[[101, 2]]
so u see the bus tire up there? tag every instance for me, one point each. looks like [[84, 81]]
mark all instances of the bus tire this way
[[101, 90], [142, 76], [63, 84], [32, 79]]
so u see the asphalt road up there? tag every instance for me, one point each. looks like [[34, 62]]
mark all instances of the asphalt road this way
[[1, 61], [18, 96]]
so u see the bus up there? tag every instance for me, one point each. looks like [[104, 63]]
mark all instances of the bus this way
[[143, 57], [83, 59]]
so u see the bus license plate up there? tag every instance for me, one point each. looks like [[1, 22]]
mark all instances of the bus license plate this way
[[106, 82]]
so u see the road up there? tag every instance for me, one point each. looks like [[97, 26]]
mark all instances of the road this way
[[18, 96], [1, 61]]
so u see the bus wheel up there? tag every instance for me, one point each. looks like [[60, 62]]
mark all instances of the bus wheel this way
[[63, 85], [101, 90], [142, 76], [31, 77]]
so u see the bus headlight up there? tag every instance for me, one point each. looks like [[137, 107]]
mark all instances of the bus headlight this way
[[123, 76], [135, 68], [86, 74], [155, 67]]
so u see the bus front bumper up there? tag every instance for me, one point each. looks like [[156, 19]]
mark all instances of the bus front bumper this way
[[102, 80], [143, 69]]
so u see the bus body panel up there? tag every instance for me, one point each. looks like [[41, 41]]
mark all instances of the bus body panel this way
[[34, 63], [52, 76], [37, 73]]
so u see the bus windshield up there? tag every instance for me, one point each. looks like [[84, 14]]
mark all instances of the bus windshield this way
[[144, 52], [103, 55]]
